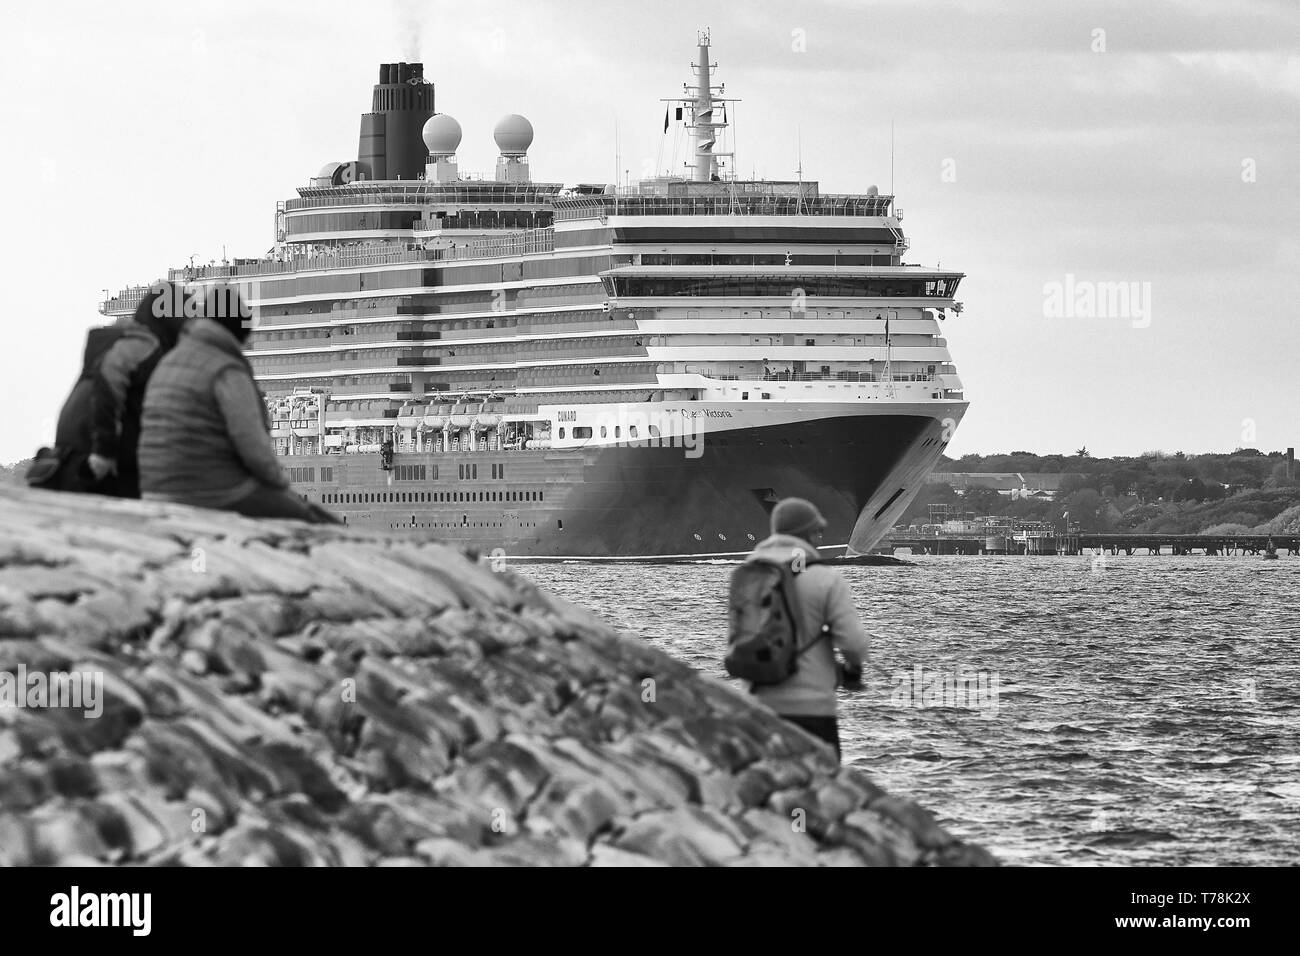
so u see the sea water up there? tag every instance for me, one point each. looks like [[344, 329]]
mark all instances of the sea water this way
[[1098, 710]]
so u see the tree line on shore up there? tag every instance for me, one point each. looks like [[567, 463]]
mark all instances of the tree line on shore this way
[[1241, 492]]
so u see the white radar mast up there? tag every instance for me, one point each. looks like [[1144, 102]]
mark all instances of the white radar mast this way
[[702, 102]]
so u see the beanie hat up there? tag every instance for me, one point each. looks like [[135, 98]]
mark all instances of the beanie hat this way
[[797, 517], [224, 305], [155, 313]]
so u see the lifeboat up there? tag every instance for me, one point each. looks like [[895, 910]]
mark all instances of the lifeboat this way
[[407, 417], [484, 422]]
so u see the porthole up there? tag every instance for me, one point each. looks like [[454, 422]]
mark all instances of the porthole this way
[[721, 536], [698, 536], [750, 537]]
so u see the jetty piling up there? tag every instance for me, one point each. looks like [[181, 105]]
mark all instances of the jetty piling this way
[[1076, 543]]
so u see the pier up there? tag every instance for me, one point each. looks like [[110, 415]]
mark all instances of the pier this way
[[1075, 543]]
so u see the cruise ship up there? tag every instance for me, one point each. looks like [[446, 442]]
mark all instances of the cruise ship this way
[[600, 371]]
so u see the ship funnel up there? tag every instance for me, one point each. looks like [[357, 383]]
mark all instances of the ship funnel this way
[[391, 145]]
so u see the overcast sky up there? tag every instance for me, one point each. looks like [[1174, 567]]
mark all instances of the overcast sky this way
[[1136, 141]]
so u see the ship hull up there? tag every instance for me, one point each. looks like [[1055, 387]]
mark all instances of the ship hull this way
[[645, 502]]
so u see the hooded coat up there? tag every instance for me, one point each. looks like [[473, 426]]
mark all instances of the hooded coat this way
[[102, 414], [825, 602]]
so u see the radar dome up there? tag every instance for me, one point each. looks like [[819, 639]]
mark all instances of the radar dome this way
[[873, 191], [513, 134], [441, 134]]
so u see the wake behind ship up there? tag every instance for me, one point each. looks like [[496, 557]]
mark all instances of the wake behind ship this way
[[592, 371]]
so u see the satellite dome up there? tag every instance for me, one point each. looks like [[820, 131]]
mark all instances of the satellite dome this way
[[513, 134], [441, 135], [328, 170], [873, 191]]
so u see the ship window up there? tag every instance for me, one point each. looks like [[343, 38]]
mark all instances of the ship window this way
[[603, 431], [654, 431], [559, 523], [744, 396], [631, 431], [474, 469], [582, 431], [561, 432], [767, 394]]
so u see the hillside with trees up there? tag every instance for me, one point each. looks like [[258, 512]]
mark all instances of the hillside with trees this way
[[1241, 491]]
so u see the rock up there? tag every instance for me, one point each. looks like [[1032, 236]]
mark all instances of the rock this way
[[602, 854], [284, 695], [679, 838]]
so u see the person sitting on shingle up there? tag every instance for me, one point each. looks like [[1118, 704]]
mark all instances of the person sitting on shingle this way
[[204, 439]]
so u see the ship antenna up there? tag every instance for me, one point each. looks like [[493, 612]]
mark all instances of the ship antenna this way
[[798, 148], [891, 156]]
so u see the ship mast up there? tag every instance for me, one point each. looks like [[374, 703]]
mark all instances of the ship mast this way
[[702, 100], [705, 129]]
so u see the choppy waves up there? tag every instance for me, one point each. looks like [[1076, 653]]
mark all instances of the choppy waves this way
[[1146, 712]]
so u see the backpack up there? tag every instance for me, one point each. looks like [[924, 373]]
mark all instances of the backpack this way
[[763, 643], [63, 466]]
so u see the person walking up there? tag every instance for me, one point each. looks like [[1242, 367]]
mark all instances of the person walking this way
[[790, 612], [204, 438]]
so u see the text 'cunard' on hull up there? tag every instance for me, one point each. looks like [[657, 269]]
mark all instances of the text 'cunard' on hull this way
[[592, 371]]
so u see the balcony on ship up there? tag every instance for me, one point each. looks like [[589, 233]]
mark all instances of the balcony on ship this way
[[727, 198]]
